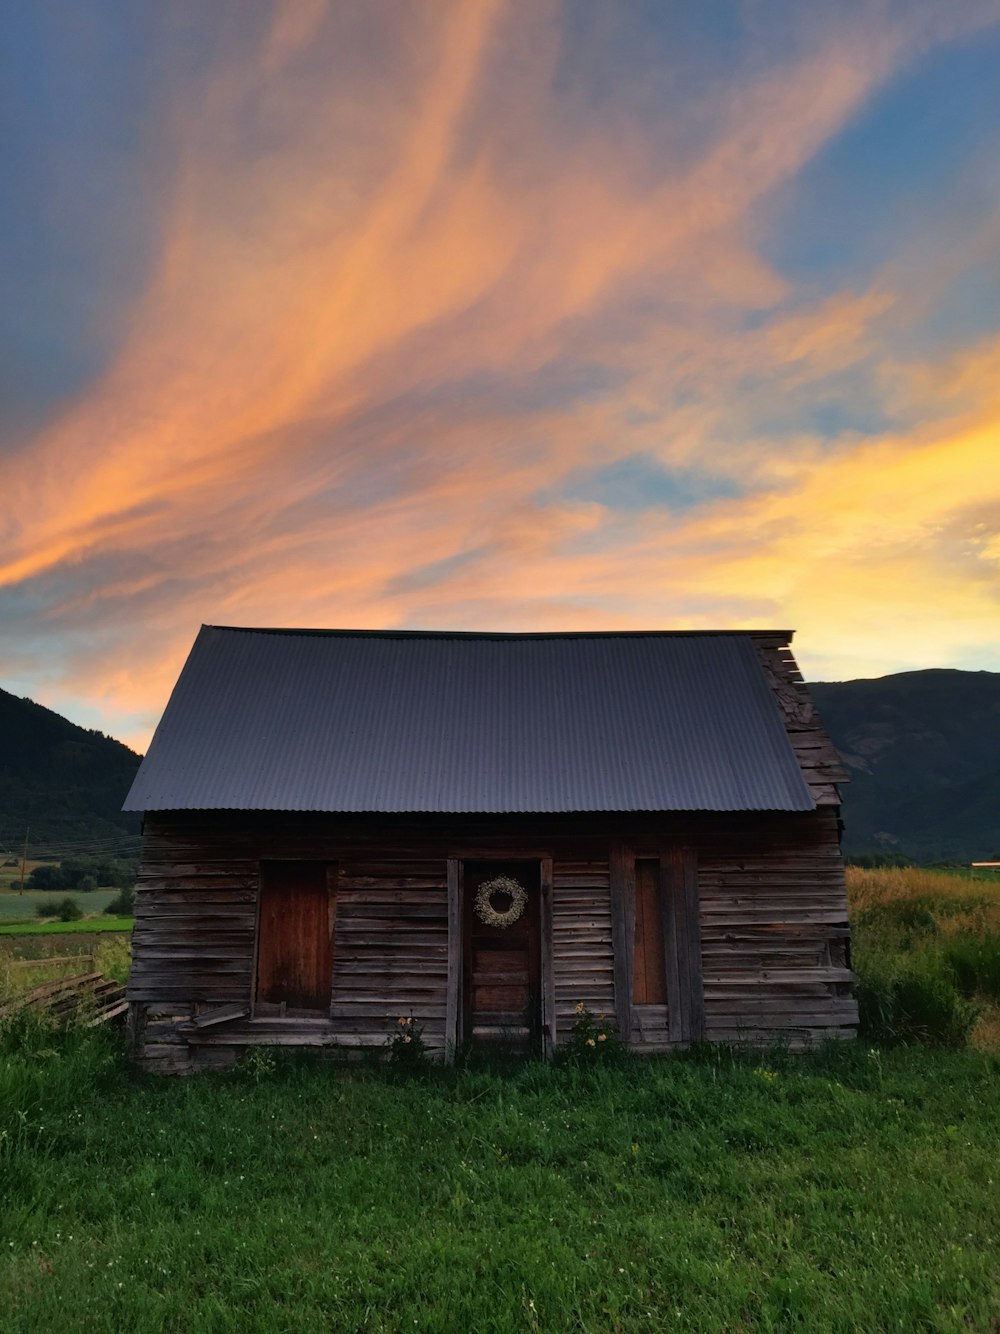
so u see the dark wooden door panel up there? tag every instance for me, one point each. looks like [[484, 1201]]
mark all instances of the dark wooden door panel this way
[[501, 980], [649, 970], [502, 986], [294, 953]]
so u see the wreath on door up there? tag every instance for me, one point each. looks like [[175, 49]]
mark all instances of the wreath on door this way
[[501, 884]]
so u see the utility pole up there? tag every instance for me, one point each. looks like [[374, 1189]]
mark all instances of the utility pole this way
[[24, 856]]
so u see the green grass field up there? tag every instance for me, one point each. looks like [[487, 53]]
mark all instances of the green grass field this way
[[86, 925], [851, 1189]]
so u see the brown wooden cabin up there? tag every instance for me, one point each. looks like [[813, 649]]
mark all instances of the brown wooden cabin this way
[[321, 808]]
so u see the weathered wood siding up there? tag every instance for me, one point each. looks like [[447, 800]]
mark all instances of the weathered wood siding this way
[[775, 938], [195, 923], [193, 939], [583, 961], [391, 948], [195, 936], [769, 891], [821, 766]]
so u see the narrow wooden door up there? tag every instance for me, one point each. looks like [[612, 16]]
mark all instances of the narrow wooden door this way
[[294, 947], [502, 982], [650, 1012], [649, 967]]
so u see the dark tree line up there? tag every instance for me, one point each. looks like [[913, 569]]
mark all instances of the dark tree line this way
[[84, 873]]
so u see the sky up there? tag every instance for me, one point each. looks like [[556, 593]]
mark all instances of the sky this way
[[480, 315]]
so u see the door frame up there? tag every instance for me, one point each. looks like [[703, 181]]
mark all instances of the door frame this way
[[455, 1001], [680, 903]]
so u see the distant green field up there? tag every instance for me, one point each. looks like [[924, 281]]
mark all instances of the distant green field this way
[[989, 873], [14, 905], [88, 925]]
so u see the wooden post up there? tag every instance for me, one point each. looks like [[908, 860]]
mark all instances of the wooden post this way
[[672, 948], [546, 963], [135, 1027], [332, 887], [682, 940], [696, 984], [622, 877], [256, 942], [453, 1003]]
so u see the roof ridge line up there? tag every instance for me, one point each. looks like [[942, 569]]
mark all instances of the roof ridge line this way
[[320, 631]]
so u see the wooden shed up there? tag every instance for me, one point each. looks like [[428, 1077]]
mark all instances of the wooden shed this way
[[483, 831]]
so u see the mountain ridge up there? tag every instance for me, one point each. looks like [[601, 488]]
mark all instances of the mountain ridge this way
[[923, 752], [63, 782]]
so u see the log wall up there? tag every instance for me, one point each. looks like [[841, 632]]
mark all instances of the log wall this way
[[759, 935]]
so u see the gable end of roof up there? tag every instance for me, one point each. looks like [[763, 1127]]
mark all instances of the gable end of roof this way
[[424, 722]]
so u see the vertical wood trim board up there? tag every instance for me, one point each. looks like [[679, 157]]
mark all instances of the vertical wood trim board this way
[[332, 886], [672, 950], [255, 953], [453, 1004], [622, 873], [682, 940], [692, 945], [547, 965]]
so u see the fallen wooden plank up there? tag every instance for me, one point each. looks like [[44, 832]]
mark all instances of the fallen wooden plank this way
[[223, 1014], [48, 989], [107, 1015]]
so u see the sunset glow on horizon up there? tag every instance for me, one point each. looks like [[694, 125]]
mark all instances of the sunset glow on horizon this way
[[471, 315]]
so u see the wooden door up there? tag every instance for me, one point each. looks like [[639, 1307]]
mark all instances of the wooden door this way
[[294, 944], [649, 966], [502, 974], [650, 1012]]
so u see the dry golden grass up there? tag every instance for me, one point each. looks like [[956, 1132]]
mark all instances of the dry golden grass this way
[[868, 888], [955, 905], [985, 1036], [107, 954]]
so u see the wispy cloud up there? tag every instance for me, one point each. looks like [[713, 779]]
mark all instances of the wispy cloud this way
[[448, 321]]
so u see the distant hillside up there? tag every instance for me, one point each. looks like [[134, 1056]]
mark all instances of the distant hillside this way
[[65, 782], [923, 752]]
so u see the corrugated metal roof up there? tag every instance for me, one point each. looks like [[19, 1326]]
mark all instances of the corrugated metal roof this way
[[391, 722]]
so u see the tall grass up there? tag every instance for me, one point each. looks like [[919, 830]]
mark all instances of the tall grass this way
[[927, 954], [106, 953]]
